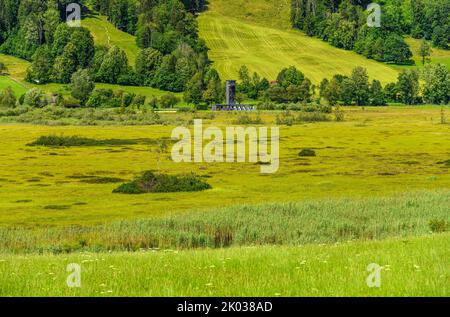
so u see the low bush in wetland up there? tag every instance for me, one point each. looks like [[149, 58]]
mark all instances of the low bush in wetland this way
[[439, 225], [322, 221], [59, 141], [306, 152], [246, 119], [162, 183], [313, 117]]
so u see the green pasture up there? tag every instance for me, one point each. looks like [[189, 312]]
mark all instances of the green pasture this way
[[18, 88]]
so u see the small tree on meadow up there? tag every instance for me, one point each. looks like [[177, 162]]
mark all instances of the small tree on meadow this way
[[8, 98], [3, 69], [425, 51]]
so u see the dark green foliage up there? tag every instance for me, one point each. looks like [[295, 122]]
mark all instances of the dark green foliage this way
[[168, 101], [147, 62], [408, 87], [35, 98], [104, 98], [307, 152], [437, 84], [377, 97], [351, 90], [81, 86], [291, 86], [41, 68], [114, 65], [67, 141], [7, 98], [439, 225], [360, 86], [396, 50], [162, 183], [101, 180]]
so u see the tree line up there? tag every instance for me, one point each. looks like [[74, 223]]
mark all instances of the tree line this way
[[291, 86]]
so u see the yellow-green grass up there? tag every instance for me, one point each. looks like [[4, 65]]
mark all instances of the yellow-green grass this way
[[410, 267], [105, 33], [257, 34], [17, 87], [375, 152]]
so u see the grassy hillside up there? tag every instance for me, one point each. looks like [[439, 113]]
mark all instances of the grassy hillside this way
[[17, 87], [409, 267], [105, 33], [257, 33]]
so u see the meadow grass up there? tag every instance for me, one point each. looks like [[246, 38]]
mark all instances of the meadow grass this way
[[410, 267], [375, 152], [307, 222], [258, 34]]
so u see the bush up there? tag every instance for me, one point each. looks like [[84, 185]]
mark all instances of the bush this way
[[313, 117], [439, 225], [162, 183], [103, 98], [168, 101], [35, 98], [306, 152], [246, 119], [55, 140], [8, 98]]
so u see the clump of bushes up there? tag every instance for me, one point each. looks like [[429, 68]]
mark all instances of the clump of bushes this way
[[163, 183], [246, 119], [56, 141], [306, 152], [439, 225], [313, 117]]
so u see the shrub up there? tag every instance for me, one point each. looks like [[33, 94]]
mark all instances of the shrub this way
[[313, 117], [8, 98], [35, 98], [286, 118], [339, 114], [438, 225], [162, 183], [306, 152], [246, 119], [168, 101], [103, 98], [55, 140]]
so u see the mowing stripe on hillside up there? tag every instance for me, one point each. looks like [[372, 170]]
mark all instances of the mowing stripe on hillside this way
[[267, 50], [105, 33]]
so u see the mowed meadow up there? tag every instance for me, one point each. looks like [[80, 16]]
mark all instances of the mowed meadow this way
[[258, 34], [375, 152]]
